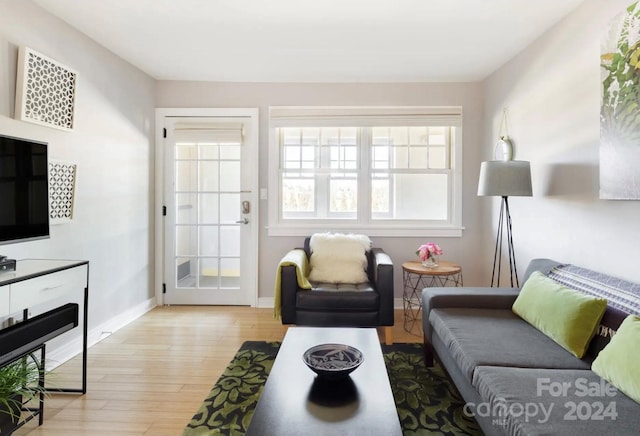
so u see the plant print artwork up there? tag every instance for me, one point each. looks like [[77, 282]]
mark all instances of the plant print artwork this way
[[620, 108]]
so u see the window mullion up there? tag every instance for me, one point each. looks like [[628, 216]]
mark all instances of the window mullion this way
[[365, 139], [448, 148], [322, 180]]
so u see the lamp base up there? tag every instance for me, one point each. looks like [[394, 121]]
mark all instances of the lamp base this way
[[497, 254]]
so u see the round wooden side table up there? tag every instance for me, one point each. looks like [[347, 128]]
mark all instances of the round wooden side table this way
[[416, 277]]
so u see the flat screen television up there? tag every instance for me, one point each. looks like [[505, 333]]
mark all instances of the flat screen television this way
[[24, 190]]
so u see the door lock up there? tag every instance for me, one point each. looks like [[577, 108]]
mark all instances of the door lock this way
[[246, 207]]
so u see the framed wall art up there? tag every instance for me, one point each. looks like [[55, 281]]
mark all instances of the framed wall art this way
[[62, 184], [45, 90], [620, 108]]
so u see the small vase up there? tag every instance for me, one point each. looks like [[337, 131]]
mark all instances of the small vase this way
[[432, 262]]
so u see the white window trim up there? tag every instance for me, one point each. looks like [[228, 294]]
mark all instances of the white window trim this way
[[290, 116]]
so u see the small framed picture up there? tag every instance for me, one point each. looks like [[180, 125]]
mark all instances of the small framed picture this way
[[62, 183]]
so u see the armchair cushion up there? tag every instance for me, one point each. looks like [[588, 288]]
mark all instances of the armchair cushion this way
[[339, 258]]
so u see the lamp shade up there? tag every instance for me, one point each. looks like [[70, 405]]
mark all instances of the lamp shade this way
[[505, 178]]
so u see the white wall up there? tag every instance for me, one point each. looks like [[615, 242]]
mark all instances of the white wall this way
[[112, 146], [262, 95], [552, 92]]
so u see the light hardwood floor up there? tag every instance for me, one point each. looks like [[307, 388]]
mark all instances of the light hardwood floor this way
[[149, 378]]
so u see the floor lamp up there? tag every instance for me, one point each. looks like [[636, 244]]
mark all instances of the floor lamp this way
[[504, 179]]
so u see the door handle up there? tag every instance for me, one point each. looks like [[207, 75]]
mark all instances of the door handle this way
[[243, 221]]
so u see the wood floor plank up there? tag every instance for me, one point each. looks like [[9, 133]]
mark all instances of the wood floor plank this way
[[150, 377]]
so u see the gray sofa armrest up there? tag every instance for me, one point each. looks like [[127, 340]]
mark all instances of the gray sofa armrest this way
[[471, 297], [468, 297], [542, 265], [480, 297], [382, 279]]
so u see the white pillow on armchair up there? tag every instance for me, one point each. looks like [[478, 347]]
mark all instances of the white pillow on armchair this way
[[339, 258]]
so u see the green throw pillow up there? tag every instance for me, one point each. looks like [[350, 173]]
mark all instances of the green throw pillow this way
[[617, 363], [568, 317]]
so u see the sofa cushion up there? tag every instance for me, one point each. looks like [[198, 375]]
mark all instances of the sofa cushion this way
[[568, 317], [623, 298], [619, 362], [530, 401], [497, 337]]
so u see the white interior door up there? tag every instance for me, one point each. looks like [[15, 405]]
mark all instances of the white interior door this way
[[210, 197]]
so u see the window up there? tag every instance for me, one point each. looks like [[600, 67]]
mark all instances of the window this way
[[382, 171], [319, 172]]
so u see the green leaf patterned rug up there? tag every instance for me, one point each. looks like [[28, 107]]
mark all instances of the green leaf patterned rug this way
[[427, 402]]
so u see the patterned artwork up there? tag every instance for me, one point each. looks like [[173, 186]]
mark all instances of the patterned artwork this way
[[62, 181], [45, 91], [620, 108]]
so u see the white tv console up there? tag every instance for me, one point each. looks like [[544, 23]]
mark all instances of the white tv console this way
[[34, 282]]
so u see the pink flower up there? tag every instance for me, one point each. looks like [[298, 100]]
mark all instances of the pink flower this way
[[425, 251]]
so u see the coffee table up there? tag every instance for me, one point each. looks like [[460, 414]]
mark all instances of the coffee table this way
[[295, 402]]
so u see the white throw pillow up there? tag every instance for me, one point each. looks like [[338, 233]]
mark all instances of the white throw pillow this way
[[339, 258]]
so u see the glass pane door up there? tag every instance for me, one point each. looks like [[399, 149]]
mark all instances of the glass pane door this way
[[207, 213]]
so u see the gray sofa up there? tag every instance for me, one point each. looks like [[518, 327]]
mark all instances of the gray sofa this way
[[514, 379]]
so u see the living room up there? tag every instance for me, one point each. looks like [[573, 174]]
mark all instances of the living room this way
[[551, 88]]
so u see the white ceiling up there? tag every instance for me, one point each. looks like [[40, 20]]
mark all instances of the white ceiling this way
[[314, 41]]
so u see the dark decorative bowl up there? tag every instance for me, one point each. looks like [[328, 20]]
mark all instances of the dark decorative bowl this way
[[333, 360]]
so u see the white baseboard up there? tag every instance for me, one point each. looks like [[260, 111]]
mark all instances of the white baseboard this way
[[74, 347], [267, 302]]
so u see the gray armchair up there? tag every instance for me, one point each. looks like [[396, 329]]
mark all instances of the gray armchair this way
[[367, 304]]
